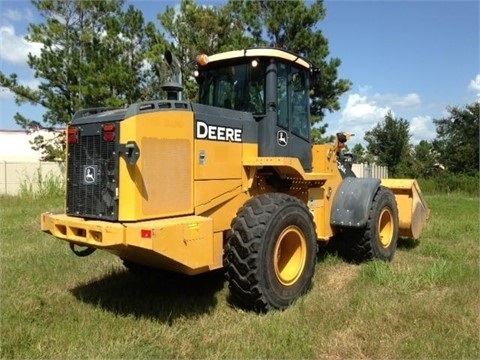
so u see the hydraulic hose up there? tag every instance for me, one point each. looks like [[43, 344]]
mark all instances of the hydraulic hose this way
[[82, 253]]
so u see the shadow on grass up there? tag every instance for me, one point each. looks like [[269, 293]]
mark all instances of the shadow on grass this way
[[166, 296], [340, 248], [163, 296], [407, 244], [334, 247]]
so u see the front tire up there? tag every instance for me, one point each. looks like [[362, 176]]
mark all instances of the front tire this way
[[378, 240], [270, 252]]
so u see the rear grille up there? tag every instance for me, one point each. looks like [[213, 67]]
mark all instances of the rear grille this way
[[92, 175]]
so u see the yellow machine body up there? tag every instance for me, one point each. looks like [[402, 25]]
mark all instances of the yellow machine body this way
[[142, 187]]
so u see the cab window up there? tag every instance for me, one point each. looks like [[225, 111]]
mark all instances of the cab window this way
[[282, 94], [237, 87], [293, 100], [300, 101]]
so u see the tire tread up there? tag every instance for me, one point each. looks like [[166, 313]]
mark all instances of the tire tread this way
[[243, 267]]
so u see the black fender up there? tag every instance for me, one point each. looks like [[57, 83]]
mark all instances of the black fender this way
[[352, 201]]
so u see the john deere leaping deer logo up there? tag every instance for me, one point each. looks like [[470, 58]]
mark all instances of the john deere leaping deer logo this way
[[282, 138], [90, 174]]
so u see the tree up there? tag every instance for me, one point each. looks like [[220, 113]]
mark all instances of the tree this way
[[358, 152], [389, 142], [293, 25], [317, 135], [198, 29], [92, 56], [457, 141], [424, 162]]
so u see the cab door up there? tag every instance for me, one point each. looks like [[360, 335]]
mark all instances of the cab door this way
[[293, 114]]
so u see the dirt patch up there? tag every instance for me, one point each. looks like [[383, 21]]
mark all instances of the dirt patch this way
[[340, 276]]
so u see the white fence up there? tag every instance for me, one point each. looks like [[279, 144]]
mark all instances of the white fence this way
[[370, 171], [15, 174]]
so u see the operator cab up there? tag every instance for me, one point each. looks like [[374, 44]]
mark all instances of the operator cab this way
[[271, 84]]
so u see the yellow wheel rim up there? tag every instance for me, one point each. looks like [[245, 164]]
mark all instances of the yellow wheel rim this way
[[290, 255], [385, 228]]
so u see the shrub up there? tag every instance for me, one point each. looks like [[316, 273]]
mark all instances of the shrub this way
[[41, 186], [445, 183]]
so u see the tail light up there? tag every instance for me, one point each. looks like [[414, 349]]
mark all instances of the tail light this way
[[72, 135], [109, 132]]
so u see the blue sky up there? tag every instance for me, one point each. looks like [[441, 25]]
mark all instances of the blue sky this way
[[413, 58]]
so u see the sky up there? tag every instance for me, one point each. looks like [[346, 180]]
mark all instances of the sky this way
[[412, 58]]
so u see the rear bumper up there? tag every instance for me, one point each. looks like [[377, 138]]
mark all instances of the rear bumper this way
[[93, 233], [185, 244]]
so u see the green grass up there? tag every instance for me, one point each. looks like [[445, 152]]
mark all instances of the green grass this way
[[424, 304]]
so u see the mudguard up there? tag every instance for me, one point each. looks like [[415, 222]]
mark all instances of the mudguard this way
[[352, 201]]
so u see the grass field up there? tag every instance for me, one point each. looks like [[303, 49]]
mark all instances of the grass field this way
[[425, 304]]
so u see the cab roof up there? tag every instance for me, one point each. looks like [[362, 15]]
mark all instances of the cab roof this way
[[262, 52]]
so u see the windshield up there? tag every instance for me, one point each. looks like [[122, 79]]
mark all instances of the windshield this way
[[238, 87]]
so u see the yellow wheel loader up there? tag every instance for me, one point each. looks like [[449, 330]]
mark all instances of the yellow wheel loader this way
[[231, 181]]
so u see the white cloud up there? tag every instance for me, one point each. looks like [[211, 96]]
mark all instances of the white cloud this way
[[402, 101], [359, 108], [14, 48], [15, 15], [422, 128], [32, 84], [6, 94], [410, 100], [359, 115], [362, 112], [475, 85], [364, 88]]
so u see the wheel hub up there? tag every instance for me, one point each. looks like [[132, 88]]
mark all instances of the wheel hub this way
[[385, 228], [290, 255]]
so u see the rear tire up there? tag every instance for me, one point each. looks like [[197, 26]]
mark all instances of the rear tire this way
[[270, 252], [378, 240]]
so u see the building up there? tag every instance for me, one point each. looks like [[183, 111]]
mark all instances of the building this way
[[15, 146], [20, 165]]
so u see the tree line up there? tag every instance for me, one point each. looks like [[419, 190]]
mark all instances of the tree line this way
[[454, 150]]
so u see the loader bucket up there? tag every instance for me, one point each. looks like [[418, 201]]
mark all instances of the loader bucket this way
[[413, 211]]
